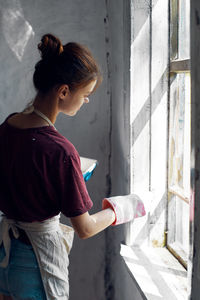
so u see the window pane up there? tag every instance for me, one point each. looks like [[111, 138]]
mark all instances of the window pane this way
[[179, 164], [179, 29], [178, 226], [179, 135], [174, 29], [184, 29]]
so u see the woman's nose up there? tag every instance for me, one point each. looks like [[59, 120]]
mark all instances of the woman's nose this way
[[86, 100]]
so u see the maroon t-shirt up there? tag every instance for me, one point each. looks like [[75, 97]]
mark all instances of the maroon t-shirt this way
[[40, 174]]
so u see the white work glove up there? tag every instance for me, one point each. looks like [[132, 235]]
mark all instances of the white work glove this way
[[126, 208]]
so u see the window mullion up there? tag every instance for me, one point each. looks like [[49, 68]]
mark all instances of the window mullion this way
[[180, 66]]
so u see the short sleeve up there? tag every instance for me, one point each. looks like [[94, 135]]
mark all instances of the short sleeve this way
[[73, 194]]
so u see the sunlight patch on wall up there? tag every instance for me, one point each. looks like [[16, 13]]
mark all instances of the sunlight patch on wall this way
[[16, 30], [139, 78], [159, 37]]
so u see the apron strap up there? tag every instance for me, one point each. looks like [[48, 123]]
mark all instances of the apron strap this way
[[6, 225]]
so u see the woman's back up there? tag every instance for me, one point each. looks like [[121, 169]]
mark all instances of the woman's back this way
[[37, 177]]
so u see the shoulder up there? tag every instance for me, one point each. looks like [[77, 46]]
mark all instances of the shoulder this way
[[57, 144]]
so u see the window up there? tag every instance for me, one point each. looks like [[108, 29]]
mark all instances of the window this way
[[160, 147], [179, 132]]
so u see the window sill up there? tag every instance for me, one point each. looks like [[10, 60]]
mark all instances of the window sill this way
[[158, 274]]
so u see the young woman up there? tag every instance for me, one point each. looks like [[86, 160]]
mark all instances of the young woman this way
[[40, 177]]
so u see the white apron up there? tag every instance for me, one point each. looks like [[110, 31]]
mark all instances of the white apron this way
[[51, 242]]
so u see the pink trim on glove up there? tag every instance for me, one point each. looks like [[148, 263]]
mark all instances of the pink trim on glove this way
[[106, 204]]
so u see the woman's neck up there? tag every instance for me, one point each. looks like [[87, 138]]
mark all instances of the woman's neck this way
[[48, 105]]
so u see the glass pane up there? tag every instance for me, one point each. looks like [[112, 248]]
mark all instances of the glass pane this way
[[179, 135], [179, 29], [179, 164], [184, 29], [174, 29], [178, 226]]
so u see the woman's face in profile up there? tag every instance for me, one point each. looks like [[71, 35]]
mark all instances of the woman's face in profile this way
[[74, 100]]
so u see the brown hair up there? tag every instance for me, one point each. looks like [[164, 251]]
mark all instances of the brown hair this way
[[71, 64]]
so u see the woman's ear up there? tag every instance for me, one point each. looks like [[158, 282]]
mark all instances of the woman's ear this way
[[63, 91]]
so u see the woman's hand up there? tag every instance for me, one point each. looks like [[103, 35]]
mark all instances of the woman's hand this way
[[126, 208]]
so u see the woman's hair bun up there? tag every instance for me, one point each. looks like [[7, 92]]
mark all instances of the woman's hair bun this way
[[50, 46], [71, 64]]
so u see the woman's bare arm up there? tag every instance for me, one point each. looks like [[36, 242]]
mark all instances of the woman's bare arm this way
[[87, 225]]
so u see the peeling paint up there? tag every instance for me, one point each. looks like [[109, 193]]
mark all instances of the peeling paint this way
[[107, 39], [197, 17], [108, 184], [94, 119]]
